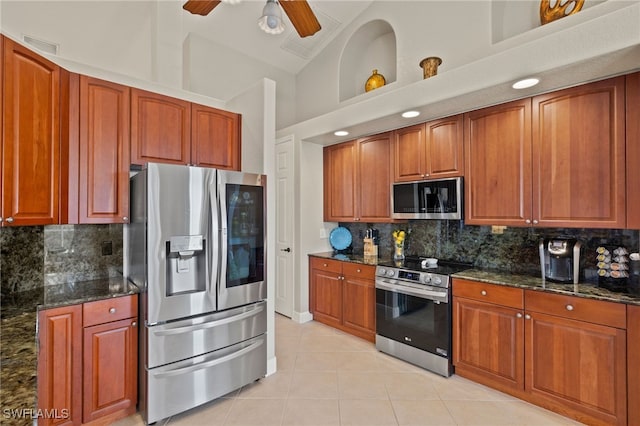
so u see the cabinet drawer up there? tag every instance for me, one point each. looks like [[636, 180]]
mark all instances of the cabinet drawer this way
[[108, 310], [326, 264], [589, 310], [490, 293], [357, 270]]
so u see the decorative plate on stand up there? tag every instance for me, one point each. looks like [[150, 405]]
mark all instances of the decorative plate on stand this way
[[340, 238]]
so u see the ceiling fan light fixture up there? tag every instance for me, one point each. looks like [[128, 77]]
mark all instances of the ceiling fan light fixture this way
[[271, 20]]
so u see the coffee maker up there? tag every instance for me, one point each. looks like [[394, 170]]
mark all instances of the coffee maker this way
[[560, 259]]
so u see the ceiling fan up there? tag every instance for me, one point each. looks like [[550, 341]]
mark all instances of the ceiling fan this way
[[298, 11]]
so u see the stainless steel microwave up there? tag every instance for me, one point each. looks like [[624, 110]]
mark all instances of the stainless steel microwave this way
[[427, 199]]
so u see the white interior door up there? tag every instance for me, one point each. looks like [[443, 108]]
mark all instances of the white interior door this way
[[285, 177]]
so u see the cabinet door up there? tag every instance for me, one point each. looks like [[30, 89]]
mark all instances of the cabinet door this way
[[577, 366], [60, 365], [340, 182], [327, 297], [633, 367], [160, 128], [103, 172], [30, 138], [374, 178], [359, 300], [110, 368], [488, 343], [497, 146], [579, 156], [215, 138], [444, 147], [633, 151], [409, 154]]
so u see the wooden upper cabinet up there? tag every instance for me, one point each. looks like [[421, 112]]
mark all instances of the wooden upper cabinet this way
[[340, 182], [215, 138], [429, 150], [497, 146], [374, 178], [30, 138], [633, 150], [579, 156], [101, 157], [160, 128]]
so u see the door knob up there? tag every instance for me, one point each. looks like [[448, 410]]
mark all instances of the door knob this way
[[288, 250]]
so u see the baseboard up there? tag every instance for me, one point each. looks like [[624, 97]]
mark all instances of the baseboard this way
[[272, 366], [302, 317]]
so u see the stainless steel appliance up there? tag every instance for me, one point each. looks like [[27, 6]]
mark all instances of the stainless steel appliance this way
[[413, 312], [428, 199], [196, 248], [560, 259]]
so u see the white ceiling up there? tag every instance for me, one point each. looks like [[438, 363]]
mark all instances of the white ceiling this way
[[236, 26]]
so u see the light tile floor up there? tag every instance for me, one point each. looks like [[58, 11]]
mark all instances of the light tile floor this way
[[326, 377]]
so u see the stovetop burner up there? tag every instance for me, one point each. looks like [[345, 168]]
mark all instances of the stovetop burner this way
[[414, 263]]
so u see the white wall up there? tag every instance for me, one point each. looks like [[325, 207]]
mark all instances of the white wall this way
[[216, 70], [112, 35]]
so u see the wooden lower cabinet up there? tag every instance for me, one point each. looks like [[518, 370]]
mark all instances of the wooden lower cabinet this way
[[60, 365], [87, 362], [342, 295], [633, 364], [564, 353]]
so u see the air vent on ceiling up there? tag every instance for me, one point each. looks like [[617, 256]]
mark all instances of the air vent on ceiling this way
[[41, 45], [308, 46]]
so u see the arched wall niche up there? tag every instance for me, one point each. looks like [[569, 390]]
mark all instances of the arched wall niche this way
[[372, 46]]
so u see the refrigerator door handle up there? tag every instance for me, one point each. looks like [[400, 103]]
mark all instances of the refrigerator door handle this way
[[203, 326], [208, 364], [222, 235], [213, 235]]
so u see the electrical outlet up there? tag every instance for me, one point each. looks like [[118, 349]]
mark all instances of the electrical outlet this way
[[495, 229], [107, 248], [323, 232]]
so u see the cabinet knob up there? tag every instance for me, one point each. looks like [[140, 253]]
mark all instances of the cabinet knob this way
[[518, 315], [527, 316], [535, 221], [357, 219], [125, 218], [569, 307], [112, 310], [9, 219], [133, 324], [483, 292], [325, 265], [359, 270], [527, 221]]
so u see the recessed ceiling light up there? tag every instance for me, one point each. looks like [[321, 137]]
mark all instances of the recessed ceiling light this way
[[341, 133], [525, 83], [410, 114]]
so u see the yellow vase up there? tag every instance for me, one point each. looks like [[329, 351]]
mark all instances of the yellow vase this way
[[376, 80]]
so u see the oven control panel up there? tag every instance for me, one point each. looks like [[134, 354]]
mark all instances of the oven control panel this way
[[412, 276]]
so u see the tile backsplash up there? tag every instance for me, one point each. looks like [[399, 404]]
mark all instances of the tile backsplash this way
[[35, 256], [515, 250]]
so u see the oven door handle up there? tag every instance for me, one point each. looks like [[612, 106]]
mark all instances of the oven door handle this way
[[423, 294]]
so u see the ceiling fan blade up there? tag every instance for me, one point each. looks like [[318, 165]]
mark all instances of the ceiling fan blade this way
[[301, 16], [200, 7]]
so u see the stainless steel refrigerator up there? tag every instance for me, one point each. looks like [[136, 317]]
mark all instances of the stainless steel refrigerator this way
[[196, 247]]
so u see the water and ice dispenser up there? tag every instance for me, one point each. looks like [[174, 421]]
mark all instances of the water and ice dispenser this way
[[186, 264]]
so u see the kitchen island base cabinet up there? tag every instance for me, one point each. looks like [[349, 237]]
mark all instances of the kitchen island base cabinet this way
[[633, 364], [342, 295]]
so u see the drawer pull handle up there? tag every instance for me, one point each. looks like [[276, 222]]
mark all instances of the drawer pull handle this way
[[518, 315], [112, 310], [483, 292], [569, 307]]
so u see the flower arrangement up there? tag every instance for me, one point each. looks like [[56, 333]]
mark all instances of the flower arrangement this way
[[399, 237]]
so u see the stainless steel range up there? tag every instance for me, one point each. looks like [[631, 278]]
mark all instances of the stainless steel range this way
[[413, 313]]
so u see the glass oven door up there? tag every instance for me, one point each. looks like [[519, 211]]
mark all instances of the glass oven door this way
[[415, 321]]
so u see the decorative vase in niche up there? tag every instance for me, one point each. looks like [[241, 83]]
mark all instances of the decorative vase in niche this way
[[376, 80], [430, 66], [559, 10]]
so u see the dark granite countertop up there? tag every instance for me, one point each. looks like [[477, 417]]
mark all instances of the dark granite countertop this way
[[18, 340], [351, 257], [631, 295]]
